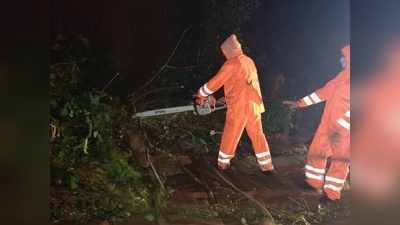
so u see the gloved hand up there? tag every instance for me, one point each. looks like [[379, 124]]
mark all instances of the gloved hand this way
[[213, 101], [291, 104], [221, 100], [199, 99]]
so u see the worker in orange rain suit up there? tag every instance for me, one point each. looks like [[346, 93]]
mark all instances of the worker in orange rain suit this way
[[332, 139], [244, 102]]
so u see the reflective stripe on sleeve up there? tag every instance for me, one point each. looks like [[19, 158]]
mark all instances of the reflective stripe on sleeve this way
[[202, 92], [315, 170], [348, 114], [307, 100], [344, 123], [206, 90], [315, 98]]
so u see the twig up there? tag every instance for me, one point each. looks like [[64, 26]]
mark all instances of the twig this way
[[151, 163], [258, 203], [181, 67], [53, 131], [153, 91], [166, 63], [109, 82], [63, 63], [195, 178]]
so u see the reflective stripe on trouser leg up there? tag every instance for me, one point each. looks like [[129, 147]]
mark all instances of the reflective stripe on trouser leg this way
[[317, 157], [224, 159], [333, 189], [339, 168], [233, 129], [264, 161], [336, 178], [314, 176], [258, 140]]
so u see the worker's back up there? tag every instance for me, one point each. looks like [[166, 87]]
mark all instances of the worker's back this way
[[243, 85]]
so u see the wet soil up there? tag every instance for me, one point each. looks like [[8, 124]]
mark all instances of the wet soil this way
[[282, 190], [198, 190]]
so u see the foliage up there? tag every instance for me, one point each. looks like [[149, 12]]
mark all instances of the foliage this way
[[299, 212], [278, 118], [198, 56], [225, 18], [165, 130], [119, 170], [91, 173]]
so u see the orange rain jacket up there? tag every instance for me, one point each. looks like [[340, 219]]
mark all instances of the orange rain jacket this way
[[332, 139], [238, 76]]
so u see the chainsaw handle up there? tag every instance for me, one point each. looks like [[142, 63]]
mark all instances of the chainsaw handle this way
[[195, 107], [206, 108]]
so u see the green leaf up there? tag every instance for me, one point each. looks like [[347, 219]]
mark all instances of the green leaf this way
[[73, 184], [149, 217]]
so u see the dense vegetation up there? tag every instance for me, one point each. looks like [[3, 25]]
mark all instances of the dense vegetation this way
[[96, 171]]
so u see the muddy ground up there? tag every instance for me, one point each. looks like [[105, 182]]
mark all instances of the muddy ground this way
[[199, 196]]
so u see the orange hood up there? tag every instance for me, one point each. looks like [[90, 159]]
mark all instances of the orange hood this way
[[231, 47], [346, 53]]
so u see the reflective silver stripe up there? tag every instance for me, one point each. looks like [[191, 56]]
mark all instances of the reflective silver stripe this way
[[315, 98], [206, 90], [344, 123], [336, 180], [263, 154], [315, 170], [333, 187], [313, 176], [202, 92], [307, 100], [264, 162], [223, 155], [348, 114], [224, 160]]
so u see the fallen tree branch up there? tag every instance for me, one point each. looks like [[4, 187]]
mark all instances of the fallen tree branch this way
[[249, 197]]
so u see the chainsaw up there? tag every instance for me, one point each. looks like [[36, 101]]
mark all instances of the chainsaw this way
[[205, 109]]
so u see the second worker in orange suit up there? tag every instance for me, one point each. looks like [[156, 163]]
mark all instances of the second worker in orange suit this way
[[332, 139], [238, 76]]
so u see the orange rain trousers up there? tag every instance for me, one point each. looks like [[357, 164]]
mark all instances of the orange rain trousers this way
[[332, 139], [243, 96]]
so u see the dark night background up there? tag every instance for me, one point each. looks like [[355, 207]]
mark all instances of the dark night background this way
[[302, 39]]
